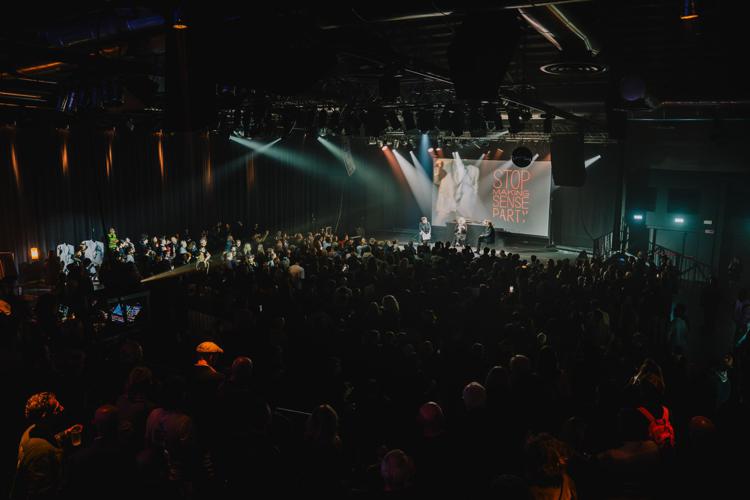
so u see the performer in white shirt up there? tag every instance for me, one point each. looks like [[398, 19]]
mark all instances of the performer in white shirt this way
[[460, 232]]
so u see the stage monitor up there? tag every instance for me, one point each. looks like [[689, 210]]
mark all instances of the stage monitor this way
[[514, 199], [126, 311]]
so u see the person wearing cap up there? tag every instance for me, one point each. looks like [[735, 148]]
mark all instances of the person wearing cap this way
[[203, 389], [204, 372]]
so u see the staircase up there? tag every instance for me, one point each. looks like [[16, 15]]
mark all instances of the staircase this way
[[689, 268]]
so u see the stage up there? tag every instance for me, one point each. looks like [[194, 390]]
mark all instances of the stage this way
[[524, 245]]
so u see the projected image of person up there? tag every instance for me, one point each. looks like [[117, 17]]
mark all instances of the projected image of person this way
[[444, 179], [457, 191], [467, 189]]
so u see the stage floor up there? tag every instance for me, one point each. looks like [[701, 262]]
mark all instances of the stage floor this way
[[523, 245]]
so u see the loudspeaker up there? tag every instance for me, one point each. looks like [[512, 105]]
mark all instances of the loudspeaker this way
[[637, 238], [481, 51], [190, 97], [7, 266], [568, 167]]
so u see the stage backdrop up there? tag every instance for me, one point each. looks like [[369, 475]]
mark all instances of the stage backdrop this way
[[514, 199]]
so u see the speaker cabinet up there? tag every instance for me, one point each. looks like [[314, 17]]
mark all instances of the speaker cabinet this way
[[568, 167]]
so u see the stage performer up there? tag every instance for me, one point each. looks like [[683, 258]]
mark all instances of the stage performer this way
[[460, 232], [488, 236], [425, 230]]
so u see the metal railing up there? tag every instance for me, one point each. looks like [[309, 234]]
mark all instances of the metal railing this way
[[605, 246], [689, 268]]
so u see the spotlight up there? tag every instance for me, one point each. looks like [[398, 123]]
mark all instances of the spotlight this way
[[409, 123], [457, 121], [425, 120], [352, 122], [334, 121], [679, 220], [392, 119], [548, 122], [445, 118], [179, 22], [321, 118], [375, 122], [515, 124], [591, 161], [638, 217], [492, 116], [477, 125], [689, 11]]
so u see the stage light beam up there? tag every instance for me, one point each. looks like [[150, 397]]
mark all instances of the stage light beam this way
[[591, 161]]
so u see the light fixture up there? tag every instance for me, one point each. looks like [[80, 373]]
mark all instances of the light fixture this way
[[515, 124], [679, 220], [179, 20], [574, 63], [34, 251], [689, 11], [548, 122], [638, 217]]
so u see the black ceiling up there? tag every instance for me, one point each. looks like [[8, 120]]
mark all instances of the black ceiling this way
[[119, 60]]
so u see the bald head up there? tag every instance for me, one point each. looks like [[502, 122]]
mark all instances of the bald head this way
[[242, 369], [702, 431], [520, 366], [396, 470], [432, 419], [475, 396], [105, 420]]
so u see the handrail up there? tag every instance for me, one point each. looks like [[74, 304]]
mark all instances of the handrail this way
[[689, 268]]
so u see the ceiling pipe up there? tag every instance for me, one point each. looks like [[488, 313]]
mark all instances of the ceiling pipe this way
[[99, 27], [697, 104], [432, 13], [566, 21], [557, 27], [540, 28]]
